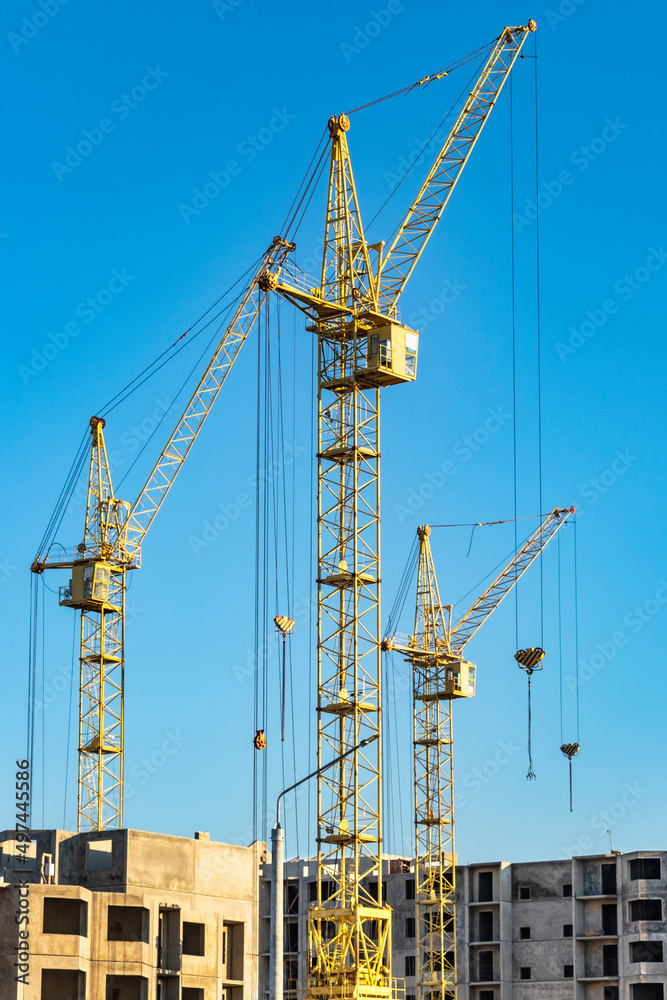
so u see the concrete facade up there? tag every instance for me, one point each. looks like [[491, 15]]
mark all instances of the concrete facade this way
[[127, 915], [591, 928]]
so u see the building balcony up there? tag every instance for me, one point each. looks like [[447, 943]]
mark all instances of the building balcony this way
[[600, 896], [598, 979], [598, 936]]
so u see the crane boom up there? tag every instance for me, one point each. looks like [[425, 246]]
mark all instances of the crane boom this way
[[401, 257], [464, 630], [175, 451]]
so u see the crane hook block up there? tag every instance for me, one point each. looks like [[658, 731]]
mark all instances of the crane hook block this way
[[260, 740], [570, 750], [283, 624], [530, 659]]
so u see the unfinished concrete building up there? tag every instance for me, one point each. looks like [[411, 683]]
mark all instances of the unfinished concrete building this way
[[592, 928], [127, 915]]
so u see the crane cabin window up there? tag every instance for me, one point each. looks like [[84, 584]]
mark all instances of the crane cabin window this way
[[410, 354], [390, 355]]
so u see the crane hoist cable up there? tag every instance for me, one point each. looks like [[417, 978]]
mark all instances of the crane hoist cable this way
[[69, 720], [488, 524], [404, 583], [570, 750], [43, 734], [410, 566], [64, 496], [560, 639], [131, 388], [538, 329], [127, 391], [281, 499], [81, 455], [302, 190], [530, 660], [284, 553], [538, 332], [431, 78], [435, 132], [576, 619], [513, 293]]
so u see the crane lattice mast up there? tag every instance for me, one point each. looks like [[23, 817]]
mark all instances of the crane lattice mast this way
[[361, 348], [439, 675]]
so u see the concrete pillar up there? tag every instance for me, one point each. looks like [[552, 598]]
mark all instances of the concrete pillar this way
[[277, 918]]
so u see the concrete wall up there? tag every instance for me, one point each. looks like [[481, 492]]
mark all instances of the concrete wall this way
[[546, 913], [168, 882]]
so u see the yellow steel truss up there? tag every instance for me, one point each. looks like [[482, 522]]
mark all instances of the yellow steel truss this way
[[113, 534], [401, 257], [349, 932], [101, 718], [102, 658], [435, 651]]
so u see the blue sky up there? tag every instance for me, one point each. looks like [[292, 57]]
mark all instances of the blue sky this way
[[111, 252]]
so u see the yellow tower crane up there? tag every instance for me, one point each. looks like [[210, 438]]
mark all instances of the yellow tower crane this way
[[362, 347], [113, 534], [440, 674]]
